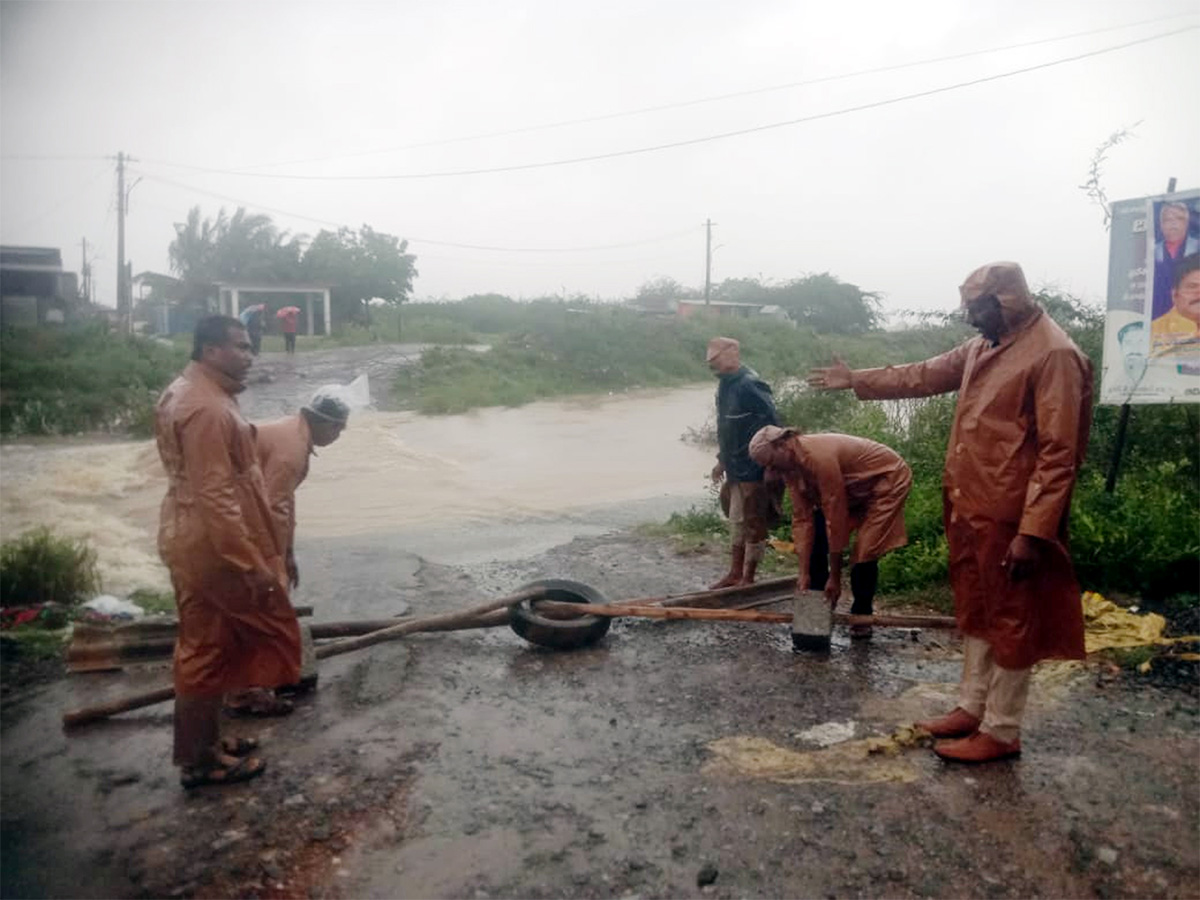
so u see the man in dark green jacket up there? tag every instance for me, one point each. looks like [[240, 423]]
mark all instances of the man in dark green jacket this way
[[744, 405]]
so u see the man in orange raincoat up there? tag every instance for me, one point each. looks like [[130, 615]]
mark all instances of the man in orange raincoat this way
[[284, 447], [216, 535], [1019, 436], [858, 485]]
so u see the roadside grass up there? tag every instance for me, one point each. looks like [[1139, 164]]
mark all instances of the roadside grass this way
[[41, 567], [29, 643], [154, 602], [578, 349], [82, 378]]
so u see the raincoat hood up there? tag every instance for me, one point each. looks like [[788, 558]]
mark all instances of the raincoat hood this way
[[1007, 282]]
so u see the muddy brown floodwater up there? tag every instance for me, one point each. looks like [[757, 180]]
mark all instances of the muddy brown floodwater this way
[[672, 759]]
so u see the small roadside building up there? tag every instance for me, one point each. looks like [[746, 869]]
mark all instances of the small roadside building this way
[[725, 309], [234, 296], [34, 289]]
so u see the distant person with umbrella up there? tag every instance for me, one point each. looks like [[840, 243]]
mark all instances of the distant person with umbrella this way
[[252, 318], [288, 318]]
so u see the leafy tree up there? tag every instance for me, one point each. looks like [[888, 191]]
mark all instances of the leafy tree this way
[[659, 292], [244, 246], [742, 290], [828, 304], [362, 266]]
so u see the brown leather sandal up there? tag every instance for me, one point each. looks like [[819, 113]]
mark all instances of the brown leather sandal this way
[[243, 770], [262, 704]]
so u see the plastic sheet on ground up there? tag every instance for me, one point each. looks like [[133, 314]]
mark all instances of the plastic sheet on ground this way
[[106, 606], [876, 760], [1108, 626]]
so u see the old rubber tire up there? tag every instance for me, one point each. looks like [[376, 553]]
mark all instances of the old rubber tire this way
[[559, 634]]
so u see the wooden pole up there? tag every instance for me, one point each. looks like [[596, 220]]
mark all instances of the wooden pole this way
[[469, 618], [1114, 464], [738, 615]]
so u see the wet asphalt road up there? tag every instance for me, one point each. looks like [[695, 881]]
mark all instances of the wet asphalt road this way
[[471, 764]]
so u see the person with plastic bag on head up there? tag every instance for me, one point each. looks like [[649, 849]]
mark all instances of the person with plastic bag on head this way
[[744, 405], [858, 485], [216, 535], [284, 447], [1019, 436]]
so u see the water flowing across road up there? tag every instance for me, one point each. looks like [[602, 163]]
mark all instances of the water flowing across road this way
[[457, 489]]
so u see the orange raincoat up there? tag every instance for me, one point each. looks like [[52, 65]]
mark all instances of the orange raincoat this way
[[284, 447], [215, 533], [860, 485], [1019, 436]]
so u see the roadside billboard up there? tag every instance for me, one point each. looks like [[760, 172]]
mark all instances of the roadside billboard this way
[[1152, 325]]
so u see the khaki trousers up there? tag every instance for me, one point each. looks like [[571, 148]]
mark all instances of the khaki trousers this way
[[995, 695], [747, 517]]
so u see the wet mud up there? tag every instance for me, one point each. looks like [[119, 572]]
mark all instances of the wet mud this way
[[471, 764]]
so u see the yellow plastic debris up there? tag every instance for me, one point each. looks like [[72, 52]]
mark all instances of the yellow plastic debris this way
[[1109, 626], [876, 760]]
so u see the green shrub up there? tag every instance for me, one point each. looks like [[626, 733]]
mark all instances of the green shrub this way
[[154, 602], [39, 567], [82, 378], [1144, 537]]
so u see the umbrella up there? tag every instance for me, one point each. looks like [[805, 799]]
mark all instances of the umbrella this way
[[287, 311]]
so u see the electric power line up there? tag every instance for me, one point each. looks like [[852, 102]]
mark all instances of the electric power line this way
[[417, 240], [602, 117], [49, 157], [712, 137]]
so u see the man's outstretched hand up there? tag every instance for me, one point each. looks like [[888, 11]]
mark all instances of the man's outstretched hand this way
[[831, 378]]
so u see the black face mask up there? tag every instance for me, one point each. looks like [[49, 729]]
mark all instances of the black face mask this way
[[985, 314]]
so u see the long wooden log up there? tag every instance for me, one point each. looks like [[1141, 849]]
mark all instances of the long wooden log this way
[[617, 610], [104, 710], [708, 599], [100, 648], [469, 618], [447, 622]]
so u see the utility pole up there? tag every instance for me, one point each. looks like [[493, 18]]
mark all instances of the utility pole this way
[[124, 288], [1114, 463], [707, 259], [122, 301], [85, 273]]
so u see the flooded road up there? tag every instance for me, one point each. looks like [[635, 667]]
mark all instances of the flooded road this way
[[671, 759], [527, 478]]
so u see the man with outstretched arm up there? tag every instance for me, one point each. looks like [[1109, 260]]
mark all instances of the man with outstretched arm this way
[[744, 405], [217, 538], [1018, 439]]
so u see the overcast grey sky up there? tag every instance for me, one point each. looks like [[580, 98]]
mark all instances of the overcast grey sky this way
[[902, 198]]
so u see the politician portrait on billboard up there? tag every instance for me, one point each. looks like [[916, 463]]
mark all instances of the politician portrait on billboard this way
[[1152, 321], [1175, 297]]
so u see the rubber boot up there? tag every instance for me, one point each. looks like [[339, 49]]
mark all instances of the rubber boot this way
[[864, 578], [736, 563]]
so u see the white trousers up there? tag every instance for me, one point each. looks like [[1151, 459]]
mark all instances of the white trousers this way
[[988, 692]]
